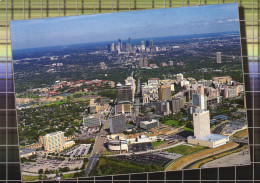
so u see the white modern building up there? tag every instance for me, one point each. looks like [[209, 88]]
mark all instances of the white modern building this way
[[202, 135]]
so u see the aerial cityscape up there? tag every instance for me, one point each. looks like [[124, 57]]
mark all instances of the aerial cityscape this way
[[131, 104]]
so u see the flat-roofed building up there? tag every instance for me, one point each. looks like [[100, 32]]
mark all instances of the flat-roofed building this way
[[148, 125], [165, 93], [124, 93], [199, 100], [91, 121], [123, 109], [222, 79], [54, 141], [202, 135], [117, 123]]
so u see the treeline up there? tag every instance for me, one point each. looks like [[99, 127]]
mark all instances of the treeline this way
[[110, 166]]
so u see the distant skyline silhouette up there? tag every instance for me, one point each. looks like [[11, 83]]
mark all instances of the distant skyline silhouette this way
[[135, 24]]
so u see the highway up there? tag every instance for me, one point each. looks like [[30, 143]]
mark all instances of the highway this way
[[98, 146]]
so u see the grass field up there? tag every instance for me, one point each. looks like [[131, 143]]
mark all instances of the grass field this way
[[157, 143], [187, 129], [184, 150], [200, 163], [67, 176], [192, 156], [29, 178], [240, 134], [173, 123]]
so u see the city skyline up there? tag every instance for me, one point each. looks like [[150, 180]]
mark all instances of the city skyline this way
[[79, 29]]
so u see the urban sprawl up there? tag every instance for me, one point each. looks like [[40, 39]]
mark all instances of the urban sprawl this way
[[137, 124]]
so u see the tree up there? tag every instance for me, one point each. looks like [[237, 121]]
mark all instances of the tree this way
[[40, 171]]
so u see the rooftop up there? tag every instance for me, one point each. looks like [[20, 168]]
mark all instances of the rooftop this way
[[213, 137]]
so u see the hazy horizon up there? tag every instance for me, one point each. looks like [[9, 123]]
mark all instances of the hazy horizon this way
[[83, 29]]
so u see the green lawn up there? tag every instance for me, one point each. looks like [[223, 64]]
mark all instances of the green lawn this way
[[29, 178], [157, 143], [184, 150], [66, 176], [188, 129], [172, 123]]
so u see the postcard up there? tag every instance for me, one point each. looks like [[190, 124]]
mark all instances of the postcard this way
[[141, 91]]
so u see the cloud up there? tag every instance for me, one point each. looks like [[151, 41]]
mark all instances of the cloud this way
[[232, 20]]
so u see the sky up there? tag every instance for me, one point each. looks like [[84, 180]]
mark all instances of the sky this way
[[135, 24]]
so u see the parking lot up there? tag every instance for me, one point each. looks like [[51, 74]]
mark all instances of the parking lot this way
[[51, 164], [140, 147], [147, 158], [80, 150]]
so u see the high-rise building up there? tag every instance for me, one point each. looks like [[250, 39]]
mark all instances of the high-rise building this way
[[147, 43], [151, 42], [201, 123], [162, 107], [117, 123], [113, 48], [218, 57], [176, 104], [199, 100], [165, 92], [54, 141], [91, 121], [119, 43], [129, 41], [109, 48], [124, 93], [130, 81]]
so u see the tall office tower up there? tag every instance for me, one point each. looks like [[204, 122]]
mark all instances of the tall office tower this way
[[201, 123], [199, 100], [218, 57], [113, 47], [142, 46], [176, 104], [162, 107], [109, 48], [123, 94], [117, 123], [130, 41], [120, 43], [130, 81], [124, 46], [147, 43], [151, 42], [54, 141], [9, 144], [165, 92]]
